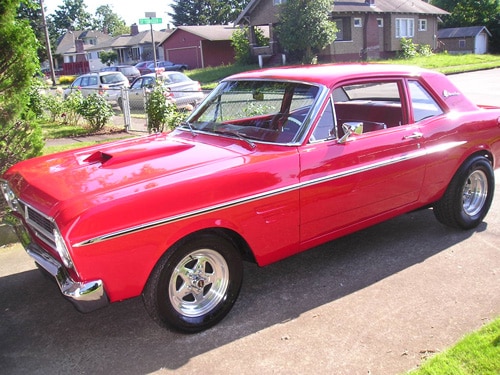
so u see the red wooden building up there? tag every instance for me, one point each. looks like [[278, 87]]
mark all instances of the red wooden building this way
[[200, 46]]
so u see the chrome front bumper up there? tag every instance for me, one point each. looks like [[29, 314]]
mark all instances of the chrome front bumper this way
[[86, 296]]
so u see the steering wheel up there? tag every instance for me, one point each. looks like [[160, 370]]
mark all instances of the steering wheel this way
[[291, 125]]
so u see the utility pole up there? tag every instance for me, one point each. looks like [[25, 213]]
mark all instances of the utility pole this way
[[47, 42]]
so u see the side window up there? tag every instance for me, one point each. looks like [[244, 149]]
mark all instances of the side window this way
[[137, 84], [77, 82], [422, 103], [325, 128], [370, 105]]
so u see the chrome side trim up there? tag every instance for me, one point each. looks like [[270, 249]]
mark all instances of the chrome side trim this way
[[417, 154], [86, 296]]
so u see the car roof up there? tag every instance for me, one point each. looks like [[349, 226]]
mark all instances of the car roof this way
[[328, 73]]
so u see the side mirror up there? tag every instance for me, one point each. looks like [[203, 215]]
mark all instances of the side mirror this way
[[350, 128]]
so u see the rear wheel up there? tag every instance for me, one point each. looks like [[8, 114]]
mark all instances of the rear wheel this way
[[194, 285], [469, 195]]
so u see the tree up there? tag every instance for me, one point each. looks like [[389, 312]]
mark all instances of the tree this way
[[305, 28], [30, 10], [206, 12], [19, 139], [107, 21], [108, 57], [70, 16]]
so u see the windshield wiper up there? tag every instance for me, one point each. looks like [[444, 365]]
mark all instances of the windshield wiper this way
[[237, 135], [188, 124]]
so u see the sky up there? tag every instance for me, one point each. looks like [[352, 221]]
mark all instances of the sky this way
[[130, 11]]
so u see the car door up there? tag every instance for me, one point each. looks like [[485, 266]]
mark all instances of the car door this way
[[349, 182], [138, 90]]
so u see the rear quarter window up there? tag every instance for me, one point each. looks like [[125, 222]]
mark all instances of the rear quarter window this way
[[423, 104]]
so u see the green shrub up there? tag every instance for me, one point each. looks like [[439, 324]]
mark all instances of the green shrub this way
[[71, 108], [96, 110], [53, 104], [19, 140], [241, 44], [410, 50], [66, 80], [161, 112], [35, 99]]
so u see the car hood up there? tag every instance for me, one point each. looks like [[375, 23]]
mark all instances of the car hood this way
[[122, 168]]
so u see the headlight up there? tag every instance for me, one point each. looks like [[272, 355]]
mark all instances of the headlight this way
[[9, 195], [62, 249]]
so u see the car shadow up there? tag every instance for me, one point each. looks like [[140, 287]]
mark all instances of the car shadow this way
[[42, 332]]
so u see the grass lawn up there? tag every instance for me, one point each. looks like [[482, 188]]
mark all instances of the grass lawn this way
[[476, 354], [443, 63]]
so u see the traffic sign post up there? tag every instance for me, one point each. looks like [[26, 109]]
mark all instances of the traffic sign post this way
[[151, 20]]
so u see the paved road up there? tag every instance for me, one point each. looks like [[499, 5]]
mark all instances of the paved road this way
[[375, 302]]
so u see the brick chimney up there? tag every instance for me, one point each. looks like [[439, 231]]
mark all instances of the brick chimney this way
[[80, 51], [134, 29]]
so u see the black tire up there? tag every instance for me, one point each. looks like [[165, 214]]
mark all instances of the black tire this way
[[195, 284], [469, 195]]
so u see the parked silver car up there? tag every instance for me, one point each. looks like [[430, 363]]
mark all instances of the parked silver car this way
[[129, 71], [184, 92], [108, 84]]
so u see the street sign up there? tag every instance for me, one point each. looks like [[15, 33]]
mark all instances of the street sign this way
[[149, 21]]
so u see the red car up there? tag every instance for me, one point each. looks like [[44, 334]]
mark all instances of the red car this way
[[272, 163]]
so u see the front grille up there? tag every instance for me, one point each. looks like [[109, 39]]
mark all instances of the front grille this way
[[41, 225]]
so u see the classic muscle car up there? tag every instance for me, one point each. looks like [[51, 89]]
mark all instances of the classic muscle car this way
[[272, 163]]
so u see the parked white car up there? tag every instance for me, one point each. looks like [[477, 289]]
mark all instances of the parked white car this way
[[108, 84], [184, 92]]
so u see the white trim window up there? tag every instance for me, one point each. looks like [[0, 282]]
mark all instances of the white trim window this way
[[422, 24], [380, 22], [358, 22], [405, 27]]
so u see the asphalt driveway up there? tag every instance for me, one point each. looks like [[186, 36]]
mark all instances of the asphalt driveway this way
[[376, 302]]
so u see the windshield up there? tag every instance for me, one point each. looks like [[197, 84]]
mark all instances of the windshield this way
[[269, 111]]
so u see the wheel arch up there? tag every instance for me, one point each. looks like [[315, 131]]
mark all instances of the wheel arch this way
[[228, 234]]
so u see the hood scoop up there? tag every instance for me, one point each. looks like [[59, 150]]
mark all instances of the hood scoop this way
[[98, 157], [134, 153]]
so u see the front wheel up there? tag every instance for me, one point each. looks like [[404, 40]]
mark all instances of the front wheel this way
[[469, 195], [194, 285]]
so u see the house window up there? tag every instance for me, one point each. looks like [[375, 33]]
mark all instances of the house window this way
[[422, 25], [405, 27], [380, 22], [136, 53], [278, 2], [357, 22], [462, 43], [343, 29]]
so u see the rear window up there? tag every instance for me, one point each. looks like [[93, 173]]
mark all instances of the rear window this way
[[112, 78], [129, 71]]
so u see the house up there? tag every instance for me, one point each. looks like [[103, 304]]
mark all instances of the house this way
[[80, 50], [462, 40], [367, 29], [200, 46], [136, 46], [75, 53]]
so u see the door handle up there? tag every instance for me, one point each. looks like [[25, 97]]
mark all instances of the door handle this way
[[416, 135]]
